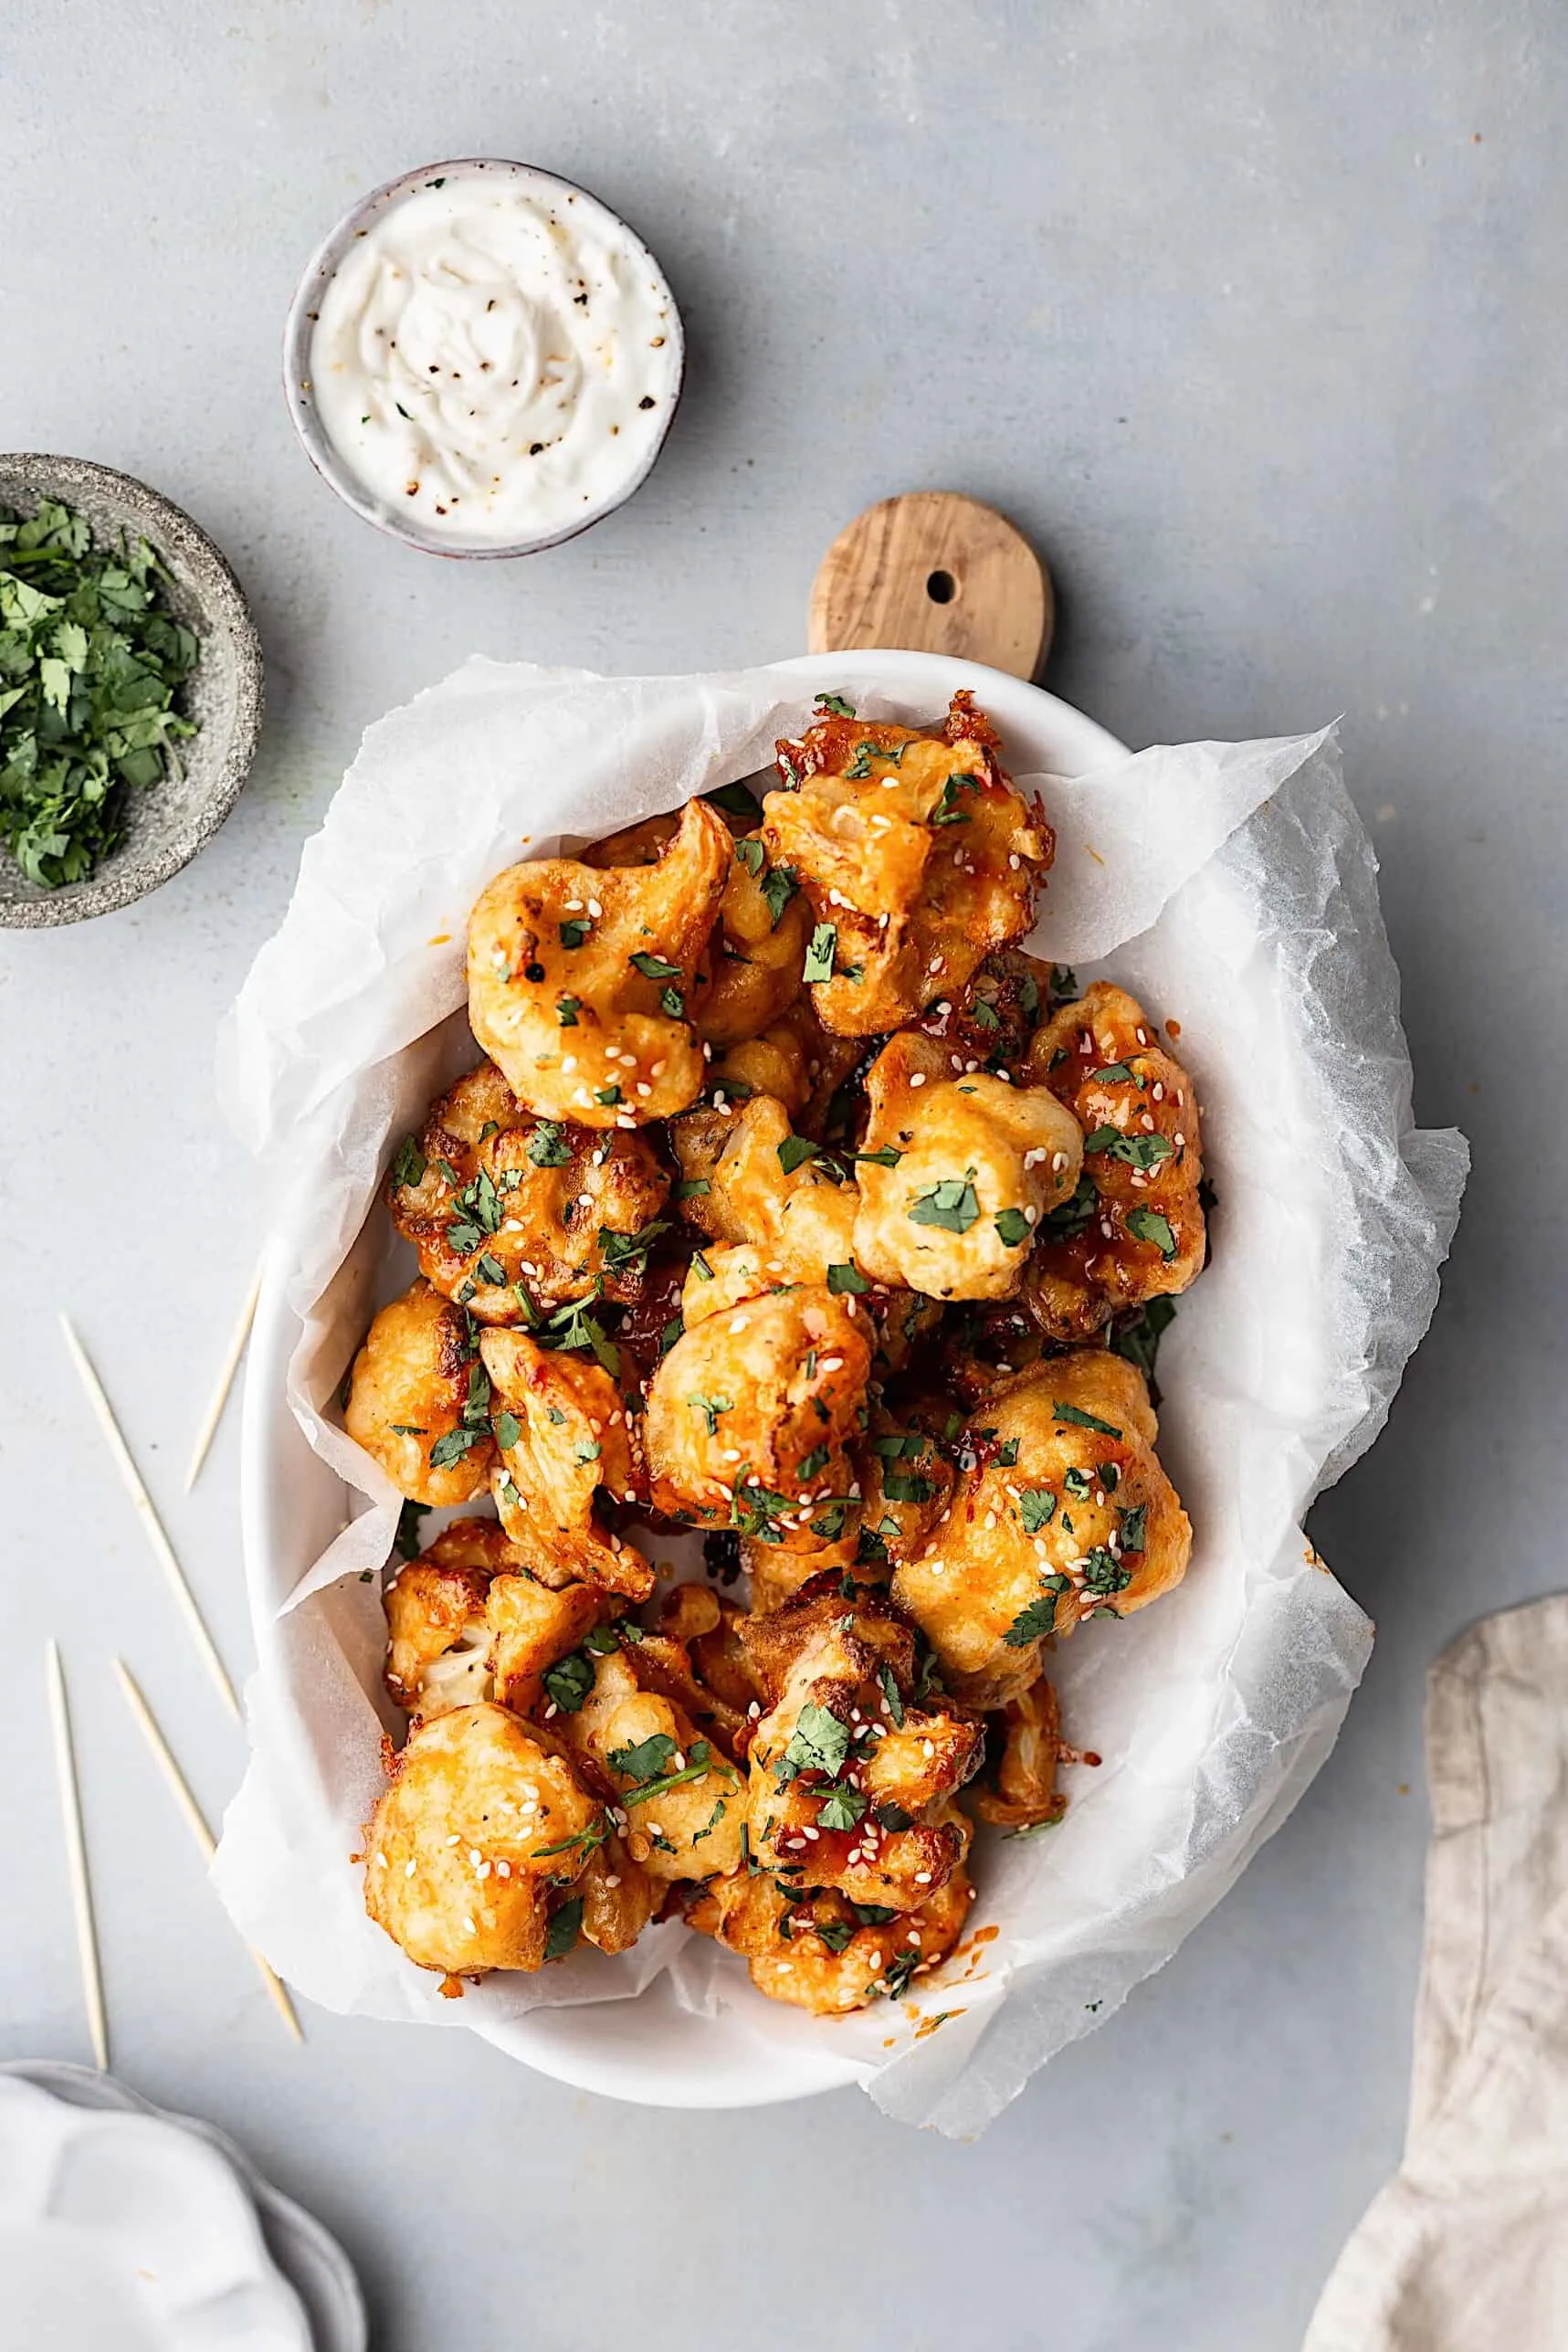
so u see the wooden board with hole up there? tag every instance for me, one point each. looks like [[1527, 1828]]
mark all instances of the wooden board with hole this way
[[934, 572]]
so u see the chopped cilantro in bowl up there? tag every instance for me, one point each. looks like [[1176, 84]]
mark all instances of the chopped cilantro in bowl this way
[[130, 690]]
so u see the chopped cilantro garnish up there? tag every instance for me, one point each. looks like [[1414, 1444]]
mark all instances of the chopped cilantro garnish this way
[[842, 1810], [1133, 1527], [1013, 1227], [947, 810], [1148, 1225], [672, 1004], [795, 1151], [569, 1681], [735, 800], [886, 1158], [1141, 1152], [691, 1187], [1083, 1420], [1036, 1508], [575, 933], [507, 1429], [566, 1011], [819, 955], [623, 1251], [890, 1694], [780, 884], [835, 706], [408, 1167], [608, 1095], [846, 1278], [710, 1407], [654, 967], [1040, 1617], [547, 1146], [819, 1742], [563, 1929], [951, 1204]]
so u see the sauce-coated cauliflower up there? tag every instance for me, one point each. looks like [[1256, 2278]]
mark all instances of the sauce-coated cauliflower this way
[[748, 1413], [473, 1842], [580, 979], [492, 1196], [976, 1164], [467, 1620], [678, 1801], [849, 1774], [813, 1948], [1067, 1514], [562, 1431], [1135, 1231], [419, 1401], [918, 857]]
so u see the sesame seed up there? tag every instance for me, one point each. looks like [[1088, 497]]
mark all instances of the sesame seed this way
[[408, 1869], [916, 1078]]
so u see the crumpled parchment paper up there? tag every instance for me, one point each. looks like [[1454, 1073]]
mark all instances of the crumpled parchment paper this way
[[1231, 887]]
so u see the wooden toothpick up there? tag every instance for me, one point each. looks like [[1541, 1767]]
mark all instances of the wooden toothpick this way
[[219, 1399], [76, 1856], [206, 1843], [163, 1551]]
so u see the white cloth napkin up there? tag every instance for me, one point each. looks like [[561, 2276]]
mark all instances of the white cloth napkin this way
[[1466, 2249]]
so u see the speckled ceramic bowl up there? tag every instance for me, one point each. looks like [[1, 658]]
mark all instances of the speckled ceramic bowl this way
[[300, 326], [167, 823]]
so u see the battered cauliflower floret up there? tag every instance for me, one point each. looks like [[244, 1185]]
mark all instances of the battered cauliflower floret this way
[[467, 1620], [748, 1413], [917, 855], [756, 950], [562, 1431], [492, 1196], [579, 979], [678, 1800], [849, 1776], [418, 1400], [1135, 1231], [813, 1948], [1067, 1514], [474, 1841], [768, 1186], [708, 1629], [1026, 1796], [976, 1165]]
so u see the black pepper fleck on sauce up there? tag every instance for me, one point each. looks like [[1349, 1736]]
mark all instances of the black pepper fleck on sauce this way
[[647, 401]]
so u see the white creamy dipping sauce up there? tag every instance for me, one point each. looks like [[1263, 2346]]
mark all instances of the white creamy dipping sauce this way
[[495, 359]]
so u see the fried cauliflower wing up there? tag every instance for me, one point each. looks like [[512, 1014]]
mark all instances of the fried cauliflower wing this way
[[918, 856], [813, 1948], [492, 1196], [473, 1841], [418, 1400], [579, 979], [753, 966], [767, 1186], [1135, 1231], [849, 1775], [467, 1620], [562, 1431], [1067, 1514], [676, 1800], [976, 1164], [748, 1413]]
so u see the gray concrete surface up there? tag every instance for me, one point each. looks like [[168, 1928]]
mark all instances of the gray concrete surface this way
[[1252, 315]]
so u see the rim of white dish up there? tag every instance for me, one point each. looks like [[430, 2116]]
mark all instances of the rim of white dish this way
[[322, 267], [727, 2060]]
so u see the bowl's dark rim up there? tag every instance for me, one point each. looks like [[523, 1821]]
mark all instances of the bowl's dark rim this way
[[312, 435], [39, 474]]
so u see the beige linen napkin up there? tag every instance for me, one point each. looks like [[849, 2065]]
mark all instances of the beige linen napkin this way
[[1466, 2249]]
